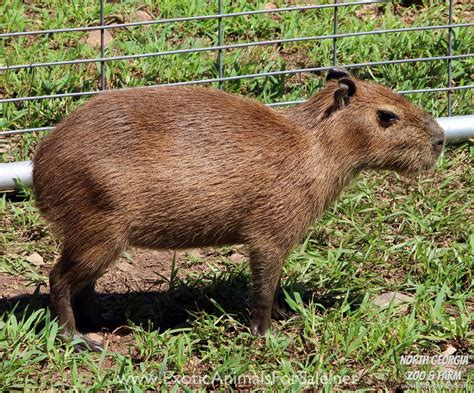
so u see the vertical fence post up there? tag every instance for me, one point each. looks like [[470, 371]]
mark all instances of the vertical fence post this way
[[219, 42], [334, 40], [102, 47], [450, 53]]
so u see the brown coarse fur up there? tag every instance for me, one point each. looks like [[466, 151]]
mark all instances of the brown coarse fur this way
[[180, 167]]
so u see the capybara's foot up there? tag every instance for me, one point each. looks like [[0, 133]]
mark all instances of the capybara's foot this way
[[259, 326], [82, 343]]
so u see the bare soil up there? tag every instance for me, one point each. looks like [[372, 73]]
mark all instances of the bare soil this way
[[141, 288]]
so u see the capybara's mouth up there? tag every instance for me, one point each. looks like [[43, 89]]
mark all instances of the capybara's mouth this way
[[424, 166], [430, 162]]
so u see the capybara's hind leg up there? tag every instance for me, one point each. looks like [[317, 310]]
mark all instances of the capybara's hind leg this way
[[76, 270], [63, 287], [60, 295], [86, 309]]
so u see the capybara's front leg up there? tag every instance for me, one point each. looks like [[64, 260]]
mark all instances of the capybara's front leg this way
[[266, 265]]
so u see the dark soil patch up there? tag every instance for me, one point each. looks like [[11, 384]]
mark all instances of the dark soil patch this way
[[155, 289]]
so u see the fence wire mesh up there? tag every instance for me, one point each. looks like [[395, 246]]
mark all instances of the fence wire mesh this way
[[221, 48]]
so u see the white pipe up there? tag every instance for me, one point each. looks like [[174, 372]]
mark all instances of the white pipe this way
[[13, 173], [458, 128]]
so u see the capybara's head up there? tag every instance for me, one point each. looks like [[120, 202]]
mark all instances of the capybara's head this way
[[393, 133]]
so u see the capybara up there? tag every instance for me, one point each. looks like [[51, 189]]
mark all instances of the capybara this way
[[181, 167]]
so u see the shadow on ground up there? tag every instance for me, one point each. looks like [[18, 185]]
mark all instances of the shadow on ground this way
[[178, 305]]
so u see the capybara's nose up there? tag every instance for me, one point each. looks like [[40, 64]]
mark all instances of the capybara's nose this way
[[439, 138], [438, 144]]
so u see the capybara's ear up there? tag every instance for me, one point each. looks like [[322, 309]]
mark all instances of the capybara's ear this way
[[337, 73], [346, 88]]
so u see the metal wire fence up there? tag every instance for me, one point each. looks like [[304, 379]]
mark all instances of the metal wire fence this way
[[221, 47]]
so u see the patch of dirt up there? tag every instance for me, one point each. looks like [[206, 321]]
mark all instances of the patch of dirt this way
[[369, 12], [146, 270], [137, 274], [143, 287], [142, 16], [93, 38], [15, 287]]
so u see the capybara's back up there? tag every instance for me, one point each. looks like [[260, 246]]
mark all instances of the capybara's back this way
[[183, 170], [177, 167]]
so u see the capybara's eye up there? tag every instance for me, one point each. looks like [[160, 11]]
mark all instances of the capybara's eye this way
[[387, 117]]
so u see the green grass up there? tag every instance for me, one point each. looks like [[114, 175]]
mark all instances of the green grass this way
[[385, 233]]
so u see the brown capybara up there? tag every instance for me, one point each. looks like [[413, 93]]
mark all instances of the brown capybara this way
[[180, 167]]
